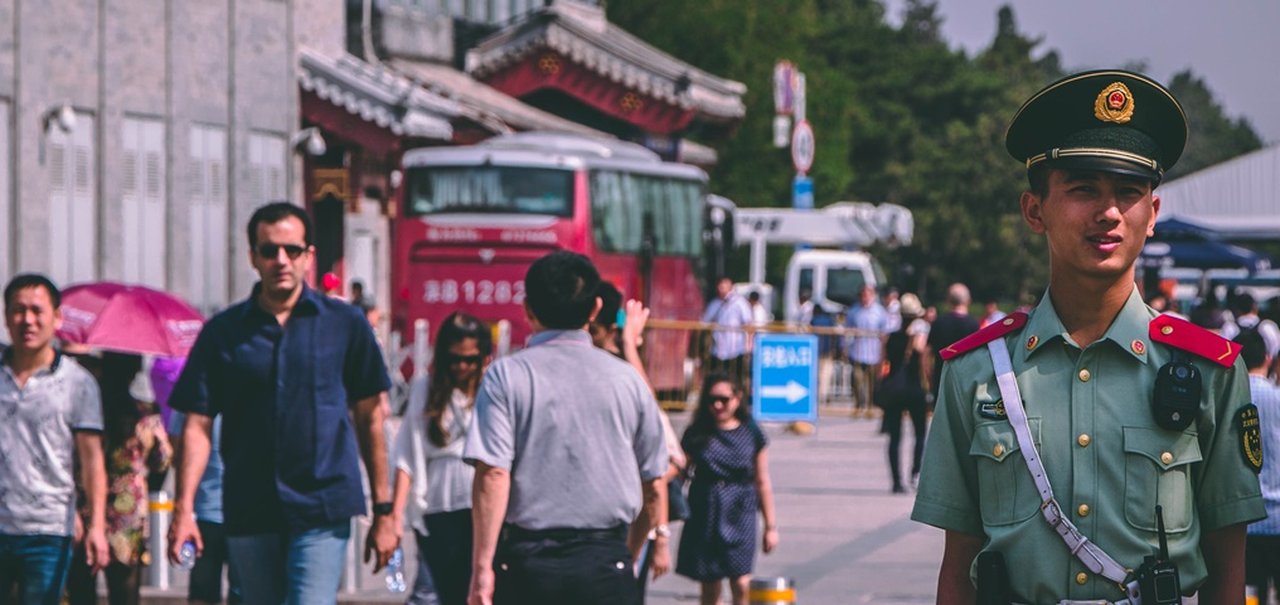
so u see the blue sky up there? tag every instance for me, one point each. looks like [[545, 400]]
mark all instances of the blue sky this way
[[1234, 45]]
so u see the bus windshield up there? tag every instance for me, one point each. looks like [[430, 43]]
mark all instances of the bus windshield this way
[[627, 209], [489, 189]]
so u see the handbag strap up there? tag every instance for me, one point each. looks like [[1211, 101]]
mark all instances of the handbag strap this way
[[1091, 555]]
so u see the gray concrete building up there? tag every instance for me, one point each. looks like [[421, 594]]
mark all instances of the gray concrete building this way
[[137, 136]]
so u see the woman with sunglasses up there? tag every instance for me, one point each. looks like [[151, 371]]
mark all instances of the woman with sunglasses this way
[[428, 459], [728, 455]]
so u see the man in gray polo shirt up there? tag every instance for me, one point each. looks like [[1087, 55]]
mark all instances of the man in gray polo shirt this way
[[566, 439], [50, 414]]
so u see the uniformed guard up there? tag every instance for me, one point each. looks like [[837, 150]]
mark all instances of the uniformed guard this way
[[1071, 443]]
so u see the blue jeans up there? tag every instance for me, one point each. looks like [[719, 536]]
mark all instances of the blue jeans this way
[[37, 564], [298, 568]]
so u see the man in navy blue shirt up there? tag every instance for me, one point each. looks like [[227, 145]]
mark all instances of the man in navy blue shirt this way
[[287, 369]]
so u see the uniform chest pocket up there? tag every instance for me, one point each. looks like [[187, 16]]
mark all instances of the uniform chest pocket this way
[[1007, 493], [1158, 471]]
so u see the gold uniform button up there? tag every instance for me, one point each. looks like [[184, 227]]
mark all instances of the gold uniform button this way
[[1167, 330], [1083, 440], [1083, 510], [1084, 375], [1082, 578], [998, 451], [1166, 458]]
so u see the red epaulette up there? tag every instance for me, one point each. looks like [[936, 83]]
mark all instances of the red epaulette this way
[[1182, 334], [1013, 322]]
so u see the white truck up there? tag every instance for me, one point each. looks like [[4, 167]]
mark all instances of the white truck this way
[[834, 276]]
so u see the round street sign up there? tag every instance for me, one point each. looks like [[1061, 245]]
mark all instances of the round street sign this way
[[802, 146]]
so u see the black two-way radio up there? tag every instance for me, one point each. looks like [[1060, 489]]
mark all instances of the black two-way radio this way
[[993, 579], [1157, 576]]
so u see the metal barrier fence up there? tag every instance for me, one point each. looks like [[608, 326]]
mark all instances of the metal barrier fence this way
[[678, 354]]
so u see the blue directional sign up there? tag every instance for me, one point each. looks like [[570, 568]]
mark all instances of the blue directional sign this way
[[785, 377]]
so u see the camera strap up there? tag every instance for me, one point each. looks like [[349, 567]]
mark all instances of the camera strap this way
[[1091, 555]]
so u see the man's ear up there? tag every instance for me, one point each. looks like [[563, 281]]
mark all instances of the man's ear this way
[[1032, 205], [596, 311], [1155, 213], [531, 318]]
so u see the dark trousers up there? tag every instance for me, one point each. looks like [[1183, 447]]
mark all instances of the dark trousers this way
[[583, 567], [33, 568], [123, 582], [1262, 563], [892, 425], [447, 551]]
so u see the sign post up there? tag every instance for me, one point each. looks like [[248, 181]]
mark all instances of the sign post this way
[[784, 372]]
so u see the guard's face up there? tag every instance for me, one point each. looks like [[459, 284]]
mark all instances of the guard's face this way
[[281, 256], [724, 402], [31, 318], [1095, 222]]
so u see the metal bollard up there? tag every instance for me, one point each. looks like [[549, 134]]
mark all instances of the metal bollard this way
[[772, 591], [421, 347], [503, 340], [160, 511]]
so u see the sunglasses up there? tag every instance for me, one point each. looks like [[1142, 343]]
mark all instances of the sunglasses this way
[[293, 251], [714, 399], [467, 359]]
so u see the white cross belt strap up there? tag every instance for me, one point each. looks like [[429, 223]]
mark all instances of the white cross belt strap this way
[[1093, 557]]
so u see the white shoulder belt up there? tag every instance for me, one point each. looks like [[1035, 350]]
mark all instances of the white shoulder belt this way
[[1090, 554]]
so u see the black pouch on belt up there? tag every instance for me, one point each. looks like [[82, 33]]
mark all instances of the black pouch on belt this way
[[993, 579]]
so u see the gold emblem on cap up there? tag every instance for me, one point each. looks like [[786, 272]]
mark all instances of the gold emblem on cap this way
[[1114, 104], [1032, 342], [1138, 347]]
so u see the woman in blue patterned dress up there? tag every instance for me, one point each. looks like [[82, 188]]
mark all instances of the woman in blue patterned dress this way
[[729, 460]]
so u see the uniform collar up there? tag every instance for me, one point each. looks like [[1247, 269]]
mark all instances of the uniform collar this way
[[1128, 330]]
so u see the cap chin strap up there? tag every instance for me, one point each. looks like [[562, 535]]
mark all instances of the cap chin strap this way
[[1090, 554]]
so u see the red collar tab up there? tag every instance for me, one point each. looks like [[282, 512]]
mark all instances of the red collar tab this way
[[996, 330], [1182, 334]]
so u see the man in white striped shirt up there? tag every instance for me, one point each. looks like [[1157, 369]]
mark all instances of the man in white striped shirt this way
[[1262, 549]]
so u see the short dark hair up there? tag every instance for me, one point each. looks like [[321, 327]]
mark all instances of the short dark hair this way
[[1252, 348], [32, 280], [560, 289], [275, 212], [610, 301], [1038, 179]]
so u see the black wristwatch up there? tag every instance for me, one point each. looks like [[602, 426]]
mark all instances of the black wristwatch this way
[[382, 508]]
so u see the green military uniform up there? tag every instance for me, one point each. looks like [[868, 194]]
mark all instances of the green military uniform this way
[[1108, 462], [1089, 408]]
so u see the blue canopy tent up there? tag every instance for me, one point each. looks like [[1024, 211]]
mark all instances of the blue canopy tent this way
[[1179, 243]]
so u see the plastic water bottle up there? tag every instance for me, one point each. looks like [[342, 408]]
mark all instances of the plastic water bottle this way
[[395, 572], [187, 556]]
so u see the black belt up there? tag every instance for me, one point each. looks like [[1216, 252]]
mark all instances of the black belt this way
[[520, 534]]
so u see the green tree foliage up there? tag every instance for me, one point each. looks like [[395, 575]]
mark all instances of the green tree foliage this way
[[900, 117]]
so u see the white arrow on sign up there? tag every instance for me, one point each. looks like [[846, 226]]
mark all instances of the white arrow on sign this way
[[792, 391]]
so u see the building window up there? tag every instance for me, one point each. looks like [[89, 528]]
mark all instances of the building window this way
[[73, 203], [266, 168], [209, 240], [142, 201], [6, 199]]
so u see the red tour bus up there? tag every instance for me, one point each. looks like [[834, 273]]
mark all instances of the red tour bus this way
[[473, 219]]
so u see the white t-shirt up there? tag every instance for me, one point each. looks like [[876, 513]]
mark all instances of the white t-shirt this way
[[441, 479]]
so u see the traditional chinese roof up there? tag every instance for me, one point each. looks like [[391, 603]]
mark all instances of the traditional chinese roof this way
[[378, 95], [581, 34], [495, 110]]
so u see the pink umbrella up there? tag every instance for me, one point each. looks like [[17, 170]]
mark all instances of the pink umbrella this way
[[128, 319]]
